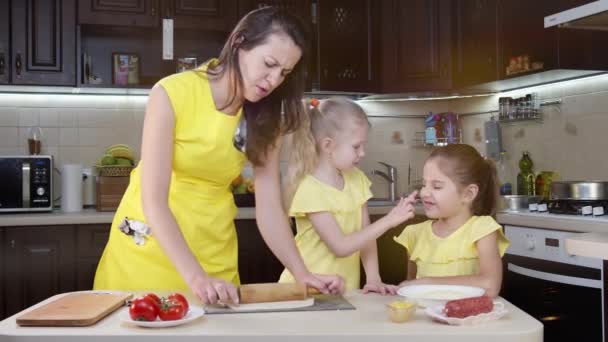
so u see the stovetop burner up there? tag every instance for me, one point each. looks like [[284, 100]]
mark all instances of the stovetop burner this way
[[574, 207]]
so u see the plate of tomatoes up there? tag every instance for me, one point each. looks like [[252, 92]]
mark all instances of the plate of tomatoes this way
[[152, 311]]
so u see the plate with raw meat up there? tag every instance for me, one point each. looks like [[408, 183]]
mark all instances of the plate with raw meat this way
[[438, 313]]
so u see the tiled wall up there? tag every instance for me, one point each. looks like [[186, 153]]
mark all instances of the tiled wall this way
[[571, 139]]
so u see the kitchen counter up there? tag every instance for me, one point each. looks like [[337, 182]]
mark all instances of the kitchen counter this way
[[368, 322], [91, 216], [571, 223]]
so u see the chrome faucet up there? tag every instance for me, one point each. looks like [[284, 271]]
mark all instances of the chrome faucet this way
[[391, 177]]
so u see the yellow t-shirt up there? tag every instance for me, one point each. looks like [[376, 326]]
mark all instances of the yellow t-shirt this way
[[453, 255], [346, 207]]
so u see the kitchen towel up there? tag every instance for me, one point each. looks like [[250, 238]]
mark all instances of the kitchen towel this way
[[71, 188]]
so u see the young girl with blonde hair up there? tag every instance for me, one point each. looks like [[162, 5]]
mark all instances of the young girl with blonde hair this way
[[327, 195], [461, 244]]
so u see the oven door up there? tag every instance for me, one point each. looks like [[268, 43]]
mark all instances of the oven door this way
[[566, 298], [12, 184]]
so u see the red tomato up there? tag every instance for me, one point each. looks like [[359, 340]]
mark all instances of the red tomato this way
[[154, 298], [180, 299], [171, 311], [143, 309]]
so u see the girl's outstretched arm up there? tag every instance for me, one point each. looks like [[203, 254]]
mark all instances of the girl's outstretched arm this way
[[343, 245], [490, 269]]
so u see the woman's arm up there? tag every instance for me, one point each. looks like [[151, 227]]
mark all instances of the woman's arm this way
[[343, 245], [490, 269], [411, 270], [274, 225], [157, 160]]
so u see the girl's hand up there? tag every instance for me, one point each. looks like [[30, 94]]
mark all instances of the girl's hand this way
[[213, 290], [381, 288], [325, 283], [403, 211]]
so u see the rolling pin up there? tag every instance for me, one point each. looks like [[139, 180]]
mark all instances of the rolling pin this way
[[274, 292]]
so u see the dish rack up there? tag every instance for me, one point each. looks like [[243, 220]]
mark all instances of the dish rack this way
[[420, 140]]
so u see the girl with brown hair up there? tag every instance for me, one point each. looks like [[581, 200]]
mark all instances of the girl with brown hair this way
[[178, 203]]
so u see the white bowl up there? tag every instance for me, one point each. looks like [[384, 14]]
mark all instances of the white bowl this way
[[433, 295]]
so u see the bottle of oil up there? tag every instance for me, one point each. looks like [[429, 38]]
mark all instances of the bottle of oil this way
[[525, 177]]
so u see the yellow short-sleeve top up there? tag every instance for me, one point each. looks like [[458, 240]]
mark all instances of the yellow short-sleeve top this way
[[345, 205], [453, 255]]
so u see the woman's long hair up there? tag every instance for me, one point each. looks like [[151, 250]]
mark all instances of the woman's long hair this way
[[326, 119], [281, 111], [464, 166]]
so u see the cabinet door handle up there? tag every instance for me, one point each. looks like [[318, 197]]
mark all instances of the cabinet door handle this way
[[2, 64], [40, 250], [153, 11], [18, 63], [13, 243]]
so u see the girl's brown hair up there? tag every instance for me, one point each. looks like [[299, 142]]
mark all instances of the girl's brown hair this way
[[465, 166], [326, 119], [281, 111]]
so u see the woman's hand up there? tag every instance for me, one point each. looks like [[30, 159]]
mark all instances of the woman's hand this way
[[325, 283], [381, 288], [403, 211], [213, 290]]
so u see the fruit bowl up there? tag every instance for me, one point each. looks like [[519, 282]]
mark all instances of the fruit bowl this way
[[114, 170]]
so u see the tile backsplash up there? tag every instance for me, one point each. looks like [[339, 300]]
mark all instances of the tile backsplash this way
[[571, 139]]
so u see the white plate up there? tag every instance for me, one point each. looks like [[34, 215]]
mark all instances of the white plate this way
[[436, 312], [194, 312], [432, 295]]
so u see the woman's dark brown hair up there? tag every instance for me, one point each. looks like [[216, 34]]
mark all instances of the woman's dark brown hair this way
[[281, 111], [465, 166]]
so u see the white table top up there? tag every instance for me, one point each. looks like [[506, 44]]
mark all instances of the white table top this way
[[369, 322]]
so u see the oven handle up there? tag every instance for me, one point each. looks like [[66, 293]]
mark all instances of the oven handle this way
[[25, 185], [556, 278]]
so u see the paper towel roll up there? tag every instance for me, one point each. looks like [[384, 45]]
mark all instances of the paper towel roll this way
[[71, 187]]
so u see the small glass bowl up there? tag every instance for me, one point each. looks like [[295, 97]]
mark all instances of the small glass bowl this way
[[401, 310]]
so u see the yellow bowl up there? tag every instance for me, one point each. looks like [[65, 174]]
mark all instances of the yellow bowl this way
[[401, 311]]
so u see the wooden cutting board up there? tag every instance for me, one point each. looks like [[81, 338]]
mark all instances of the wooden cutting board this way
[[74, 309]]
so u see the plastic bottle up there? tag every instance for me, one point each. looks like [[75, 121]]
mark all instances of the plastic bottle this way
[[525, 178], [506, 188]]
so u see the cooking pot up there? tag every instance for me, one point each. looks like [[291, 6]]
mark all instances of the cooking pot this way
[[518, 202], [579, 190]]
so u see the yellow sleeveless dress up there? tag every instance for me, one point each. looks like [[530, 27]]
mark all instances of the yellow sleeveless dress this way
[[205, 162]]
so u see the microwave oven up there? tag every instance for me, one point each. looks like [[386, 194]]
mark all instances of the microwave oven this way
[[26, 183]]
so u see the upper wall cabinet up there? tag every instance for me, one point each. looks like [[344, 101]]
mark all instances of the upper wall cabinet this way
[[348, 57], [42, 47], [4, 41], [214, 15], [416, 45], [121, 13], [301, 8], [476, 42]]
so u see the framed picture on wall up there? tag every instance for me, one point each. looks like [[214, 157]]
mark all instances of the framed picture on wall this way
[[125, 69]]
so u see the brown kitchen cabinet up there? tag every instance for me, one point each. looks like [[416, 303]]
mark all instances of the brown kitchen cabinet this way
[[38, 263], [301, 8], [143, 13], [2, 274], [257, 264], [42, 45], [416, 45], [476, 42], [187, 14], [4, 42], [91, 240], [392, 257], [347, 36]]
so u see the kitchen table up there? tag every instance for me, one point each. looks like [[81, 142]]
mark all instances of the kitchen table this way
[[369, 322]]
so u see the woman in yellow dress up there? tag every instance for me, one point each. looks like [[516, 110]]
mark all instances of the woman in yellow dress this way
[[174, 228]]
